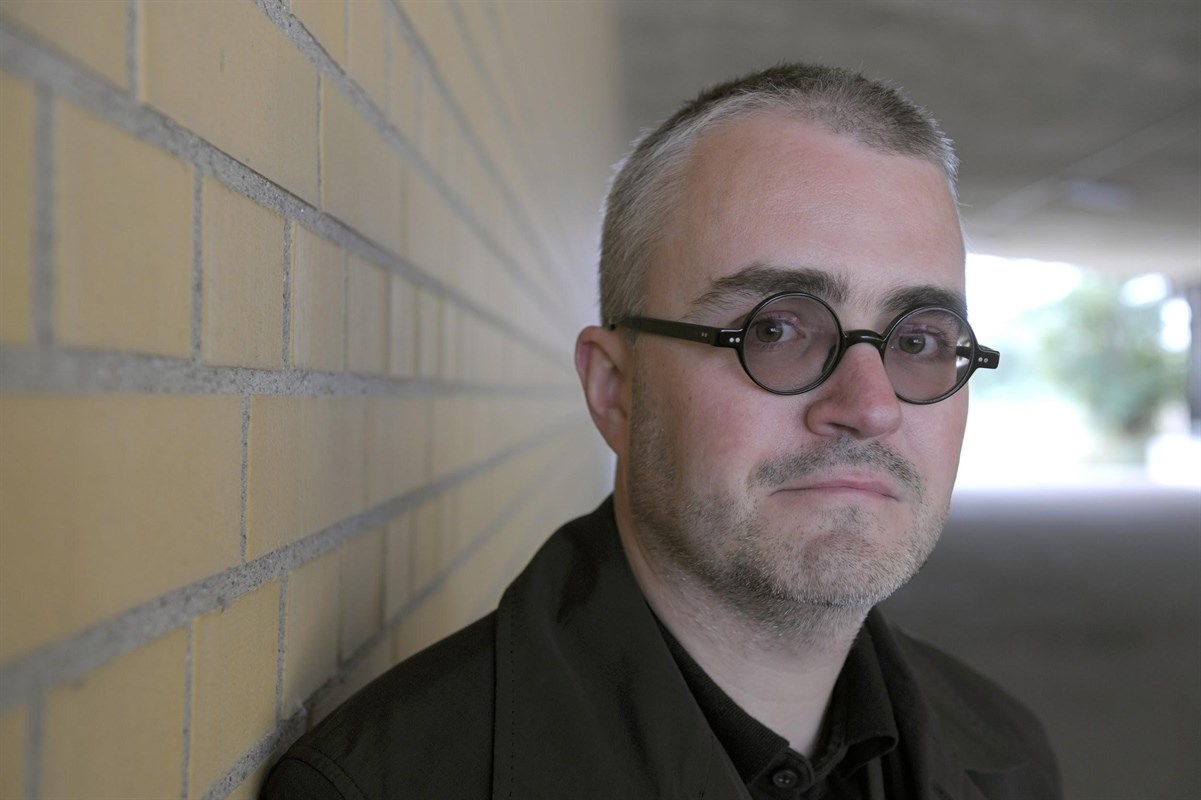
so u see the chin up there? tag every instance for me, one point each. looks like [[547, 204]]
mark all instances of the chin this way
[[839, 523], [854, 558]]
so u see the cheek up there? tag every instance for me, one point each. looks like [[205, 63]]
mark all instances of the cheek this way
[[938, 440], [715, 430]]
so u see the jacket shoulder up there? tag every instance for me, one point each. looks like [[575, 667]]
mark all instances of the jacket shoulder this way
[[994, 733], [422, 726]]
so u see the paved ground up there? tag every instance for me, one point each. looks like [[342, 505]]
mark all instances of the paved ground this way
[[1087, 605]]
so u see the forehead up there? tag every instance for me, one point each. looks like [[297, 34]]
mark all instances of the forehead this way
[[771, 190]]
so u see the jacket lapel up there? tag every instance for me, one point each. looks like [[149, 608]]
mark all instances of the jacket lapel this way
[[589, 702]]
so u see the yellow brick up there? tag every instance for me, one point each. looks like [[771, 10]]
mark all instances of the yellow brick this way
[[491, 354], [474, 587], [17, 110], [450, 341], [242, 321], [233, 683], [311, 646], [450, 525], [12, 753], [467, 342], [373, 664], [318, 302], [489, 286], [426, 549], [472, 340], [454, 146], [445, 431], [226, 72], [326, 20], [367, 24], [362, 589], [432, 228], [462, 433], [398, 579], [440, 614], [487, 32], [434, 23], [429, 328], [481, 31], [134, 704], [483, 196], [461, 78], [402, 87], [123, 253], [93, 33], [402, 328], [478, 507], [472, 254], [397, 441], [109, 501], [306, 468], [360, 175], [249, 788], [433, 120], [367, 317]]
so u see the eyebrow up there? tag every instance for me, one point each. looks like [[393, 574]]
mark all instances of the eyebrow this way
[[759, 280], [907, 297]]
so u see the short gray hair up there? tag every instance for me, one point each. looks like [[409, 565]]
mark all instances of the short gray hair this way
[[844, 102]]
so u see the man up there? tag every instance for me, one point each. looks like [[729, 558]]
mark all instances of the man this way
[[780, 377]]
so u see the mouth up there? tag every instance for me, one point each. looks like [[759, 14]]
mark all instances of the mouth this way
[[849, 484]]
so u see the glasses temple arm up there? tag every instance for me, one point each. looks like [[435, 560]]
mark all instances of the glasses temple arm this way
[[704, 334], [985, 358]]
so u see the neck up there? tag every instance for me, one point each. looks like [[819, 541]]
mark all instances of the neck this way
[[782, 673]]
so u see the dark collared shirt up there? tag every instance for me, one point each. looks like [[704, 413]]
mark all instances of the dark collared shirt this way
[[859, 729]]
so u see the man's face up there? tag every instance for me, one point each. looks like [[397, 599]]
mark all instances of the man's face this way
[[831, 497]]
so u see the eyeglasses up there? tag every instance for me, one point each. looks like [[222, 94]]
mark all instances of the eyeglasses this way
[[792, 342]]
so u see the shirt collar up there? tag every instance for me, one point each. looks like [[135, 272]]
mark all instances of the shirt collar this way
[[860, 725]]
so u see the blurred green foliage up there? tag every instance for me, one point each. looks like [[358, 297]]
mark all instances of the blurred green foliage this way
[[1108, 355]]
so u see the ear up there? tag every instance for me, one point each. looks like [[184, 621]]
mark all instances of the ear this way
[[600, 360]]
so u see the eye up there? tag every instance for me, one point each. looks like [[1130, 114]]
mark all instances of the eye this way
[[774, 329], [926, 342], [915, 343]]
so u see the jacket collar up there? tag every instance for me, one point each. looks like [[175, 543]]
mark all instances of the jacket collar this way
[[587, 694]]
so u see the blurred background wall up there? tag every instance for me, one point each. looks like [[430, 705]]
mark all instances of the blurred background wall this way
[[289, 294]]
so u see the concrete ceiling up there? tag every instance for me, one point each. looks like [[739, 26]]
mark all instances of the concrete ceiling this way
[[1078, 123]]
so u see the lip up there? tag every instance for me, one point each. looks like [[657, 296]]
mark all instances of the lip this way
[[867, 484]]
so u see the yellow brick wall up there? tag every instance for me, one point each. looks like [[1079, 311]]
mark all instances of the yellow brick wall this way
[[288, 294]]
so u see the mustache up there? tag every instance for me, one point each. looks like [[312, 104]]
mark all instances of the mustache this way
[[841, 453]]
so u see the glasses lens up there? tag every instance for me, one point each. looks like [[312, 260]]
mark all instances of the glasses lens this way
[[928, 354], [790, 342]]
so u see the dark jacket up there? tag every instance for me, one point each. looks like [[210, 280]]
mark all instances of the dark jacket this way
[[568, 690]]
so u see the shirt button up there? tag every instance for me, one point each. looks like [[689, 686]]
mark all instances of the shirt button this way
[[784, 779]]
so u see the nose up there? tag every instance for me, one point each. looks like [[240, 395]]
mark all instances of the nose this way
[[856, 400]]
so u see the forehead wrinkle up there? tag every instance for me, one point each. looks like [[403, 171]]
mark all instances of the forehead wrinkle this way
[[905, 298], [757, 281]]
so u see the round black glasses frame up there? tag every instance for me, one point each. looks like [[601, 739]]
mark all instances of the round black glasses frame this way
[[979, 356]]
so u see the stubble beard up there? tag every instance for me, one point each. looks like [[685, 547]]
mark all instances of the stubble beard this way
[[809, 582]]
